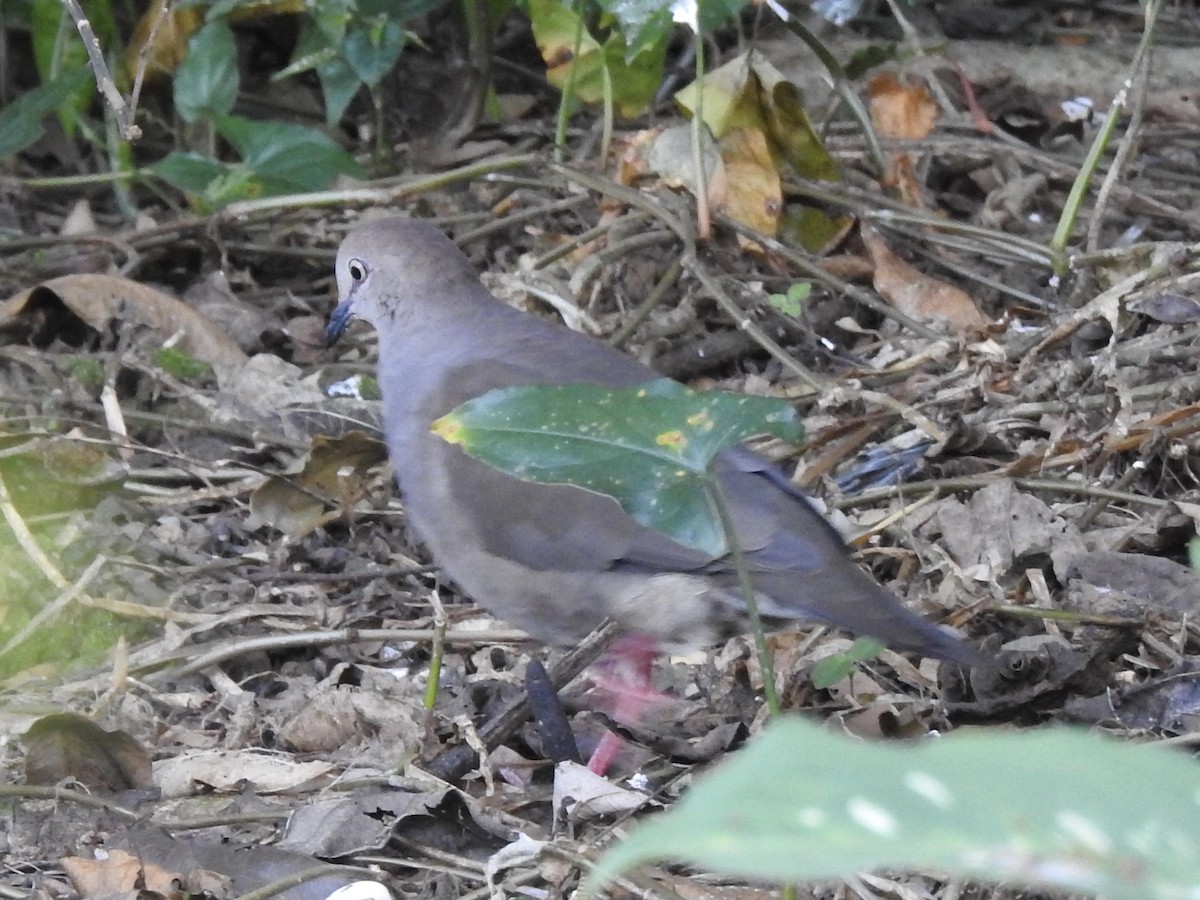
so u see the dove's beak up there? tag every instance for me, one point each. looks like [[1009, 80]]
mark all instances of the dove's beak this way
[[338, 320]]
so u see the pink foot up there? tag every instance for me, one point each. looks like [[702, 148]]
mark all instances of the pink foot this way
[[625, 675], [606, 753]]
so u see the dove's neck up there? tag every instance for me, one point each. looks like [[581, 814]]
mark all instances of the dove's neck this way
[[437, 353]]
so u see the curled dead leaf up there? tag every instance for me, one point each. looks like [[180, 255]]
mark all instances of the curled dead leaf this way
[[905, 112], [120, 874], [68, 745], [333, 474], [162, 39], [915, 294], [97, 300]]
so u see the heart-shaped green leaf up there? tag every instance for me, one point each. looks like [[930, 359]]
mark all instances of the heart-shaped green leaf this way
[[649, 446]]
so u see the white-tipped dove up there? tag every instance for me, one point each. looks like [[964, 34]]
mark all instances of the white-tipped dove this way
[[556, 560]]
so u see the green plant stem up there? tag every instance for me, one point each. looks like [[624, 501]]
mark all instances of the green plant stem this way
[[568, 91], [1070, 213], [65, 181], [606, 133], [748, 597], [119, 158], [380, 144], [1139, 83], [703, 215], [436, 653]]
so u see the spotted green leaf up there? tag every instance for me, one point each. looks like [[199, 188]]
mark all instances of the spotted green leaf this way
[[649, 446]]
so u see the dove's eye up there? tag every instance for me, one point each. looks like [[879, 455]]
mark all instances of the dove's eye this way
[[358, 271]]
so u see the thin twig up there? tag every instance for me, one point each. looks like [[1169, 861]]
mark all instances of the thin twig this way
[[104, 81], [55, 606], [1139, 84]]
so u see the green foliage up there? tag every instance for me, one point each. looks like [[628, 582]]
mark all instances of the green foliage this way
[[650, 446], [1056, 807], [206, 83], [833, 669], [349, 44], [286, 157], [57, 477], [620, 57], [58, 49], [87, 371], [368, 388], [276, 157], [605, 66], [792, 303], [77, 639], [180, 365], [21, 120], [643, 23], [353, 44]]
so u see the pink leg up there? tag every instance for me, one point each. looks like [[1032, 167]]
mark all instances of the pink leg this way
[[625, 674]]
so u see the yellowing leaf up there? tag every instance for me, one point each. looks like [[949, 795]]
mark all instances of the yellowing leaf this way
[[636, 444], [600, 68], [449, 429], [170, 39], [753, 190], [793, 133], [731, 97], [758, 117]]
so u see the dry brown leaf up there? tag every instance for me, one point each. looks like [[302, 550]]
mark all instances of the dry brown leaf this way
[[1131, 585], [170, 39], [118, 874], [900, 111], [360, 822], [231, 771], [848, 266], [298, 503], [68, 745], [122, 872], [999, 527], [632, 153], [915, 294], [1167, 703], [99, 299], [1177, 105], [670, 157], [901, 176]]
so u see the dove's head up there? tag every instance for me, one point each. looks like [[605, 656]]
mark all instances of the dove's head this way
[[387, 266]]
